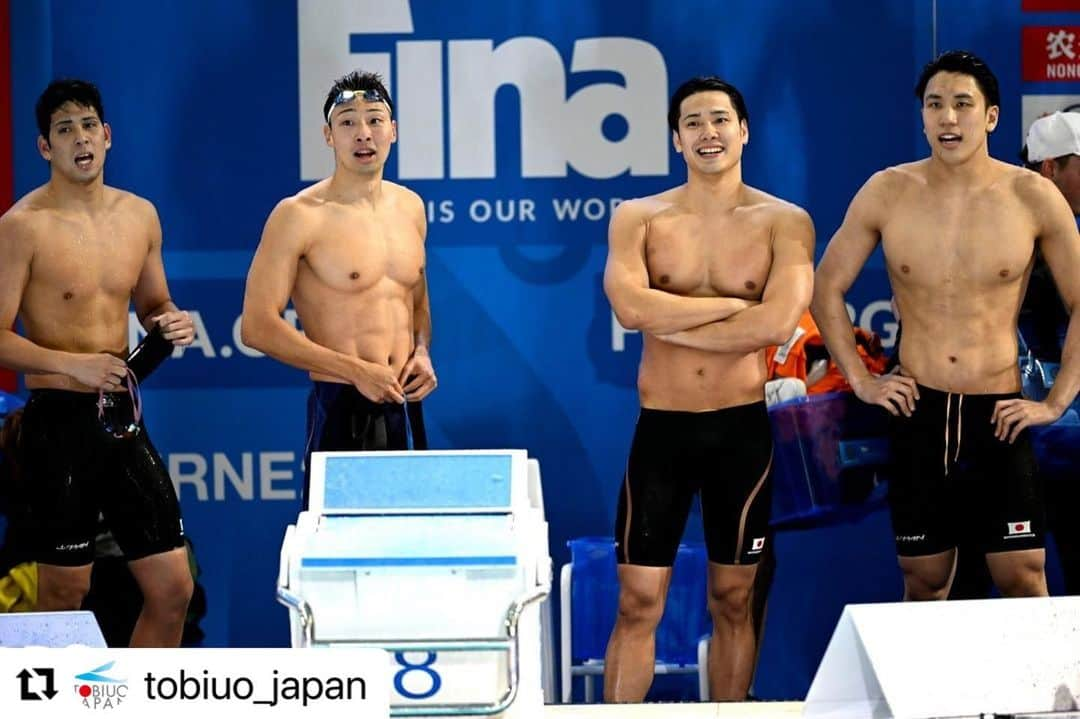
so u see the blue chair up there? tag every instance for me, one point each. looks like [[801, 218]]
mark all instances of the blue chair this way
[[590, 598]]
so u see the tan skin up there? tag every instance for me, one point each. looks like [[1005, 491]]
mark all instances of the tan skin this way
[[959, 232], [74, 254], [711, 272], [349, 251]]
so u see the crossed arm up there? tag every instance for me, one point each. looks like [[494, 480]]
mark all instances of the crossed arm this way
[[785, 299], [626, 282]]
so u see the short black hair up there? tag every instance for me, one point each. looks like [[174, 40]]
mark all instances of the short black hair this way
[[706, 83], [357, 81], [80, 92], [965, 63]]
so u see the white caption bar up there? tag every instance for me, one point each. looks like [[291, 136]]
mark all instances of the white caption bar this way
[[166, 683]]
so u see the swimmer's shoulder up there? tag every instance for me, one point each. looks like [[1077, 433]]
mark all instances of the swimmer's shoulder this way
[[774, 209], [885, 192], [32, 213], [640, 211], [1031, 188], [132, 206], [899, 178], [301, 206], [294, 217], [407, 201]]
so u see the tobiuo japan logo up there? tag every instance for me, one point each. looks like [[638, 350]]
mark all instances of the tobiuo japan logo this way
[[98, 690], [444, 95]]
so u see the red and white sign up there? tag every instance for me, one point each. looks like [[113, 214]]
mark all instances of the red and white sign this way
[[1051, 53], [1050, 5]]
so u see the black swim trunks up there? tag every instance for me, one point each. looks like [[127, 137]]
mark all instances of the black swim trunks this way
[[724, 454], [71, 470], [947, 463], [340, 419]]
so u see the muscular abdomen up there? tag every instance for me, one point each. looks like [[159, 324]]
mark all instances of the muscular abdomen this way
[[374, 324], [961, 342], [681, 378]]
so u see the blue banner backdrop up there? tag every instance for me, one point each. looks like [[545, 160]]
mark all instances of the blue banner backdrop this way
[[521, 125]]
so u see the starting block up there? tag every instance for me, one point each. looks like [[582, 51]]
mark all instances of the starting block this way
[[439, 557]]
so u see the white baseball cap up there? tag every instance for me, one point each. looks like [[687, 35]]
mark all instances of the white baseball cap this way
[[1053, 136]]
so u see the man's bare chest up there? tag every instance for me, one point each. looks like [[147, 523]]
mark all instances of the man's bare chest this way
[[354, 256], [731, 260], [985, 242], [81, 258]]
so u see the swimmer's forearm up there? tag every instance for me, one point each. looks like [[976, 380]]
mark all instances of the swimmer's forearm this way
[[830, 314], [280, 340], [1067, 383], [21, 355], [658, 312], [749, 331], [422, 329]]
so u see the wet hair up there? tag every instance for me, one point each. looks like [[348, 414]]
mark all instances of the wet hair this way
[[965, 63], [1061, 162], [357, 81], [706, 83], [82, 93]]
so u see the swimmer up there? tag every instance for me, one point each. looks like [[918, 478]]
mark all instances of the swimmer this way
[[711, 272], [959, 231], [349, 251], [74, 254]]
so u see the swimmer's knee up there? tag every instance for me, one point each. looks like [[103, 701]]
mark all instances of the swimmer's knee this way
[[61, 593], [730, 603], [640, 605]]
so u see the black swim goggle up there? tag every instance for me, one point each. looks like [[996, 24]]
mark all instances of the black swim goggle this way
[[132, 428]]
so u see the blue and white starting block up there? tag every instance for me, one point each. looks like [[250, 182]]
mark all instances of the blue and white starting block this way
[[439, 557]]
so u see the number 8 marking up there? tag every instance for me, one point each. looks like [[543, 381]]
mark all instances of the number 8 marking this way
[[399, 683]]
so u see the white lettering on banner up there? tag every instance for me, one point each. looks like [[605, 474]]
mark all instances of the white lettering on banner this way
[[524, 209], [203, 340], [243, 482], [867, 319], [1062, 71], [1060, 43], [557, 132], [443, 208], [593, 208], [268, 475], [275, 470], [345, 682], [178, 463]]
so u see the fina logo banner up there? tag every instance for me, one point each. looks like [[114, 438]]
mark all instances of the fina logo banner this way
[[444, 95]]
